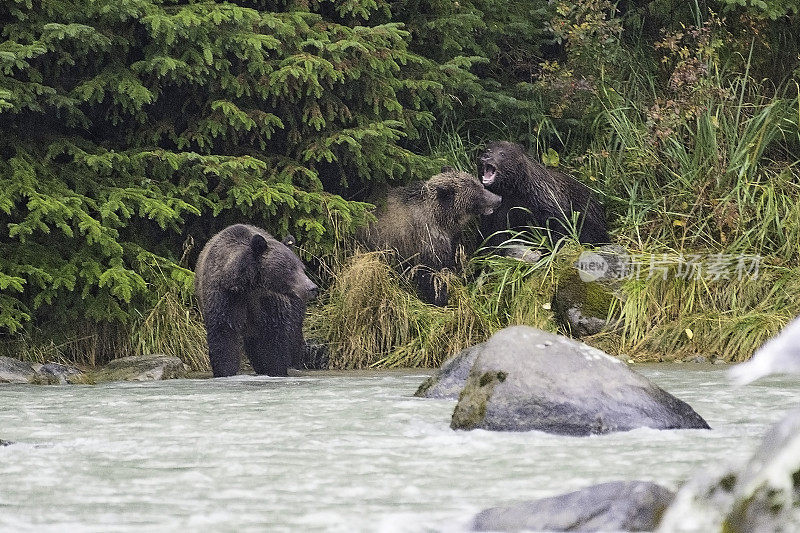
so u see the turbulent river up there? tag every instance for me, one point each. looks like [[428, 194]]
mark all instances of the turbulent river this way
[[326, 452]]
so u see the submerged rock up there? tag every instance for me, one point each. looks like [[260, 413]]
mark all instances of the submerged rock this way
[[15, 371], [450, 379], [526, 379], [615, 506], [136, 368], [761, 495]]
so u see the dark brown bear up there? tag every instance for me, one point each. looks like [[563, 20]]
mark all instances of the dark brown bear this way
[[536, 196], [423, 221], [252, 292]]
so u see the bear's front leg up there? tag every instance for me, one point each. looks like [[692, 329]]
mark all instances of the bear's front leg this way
[[223, 350], [265, 359], [269, 342]]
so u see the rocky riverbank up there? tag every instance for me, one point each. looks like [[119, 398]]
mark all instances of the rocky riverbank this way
[[139, 368]]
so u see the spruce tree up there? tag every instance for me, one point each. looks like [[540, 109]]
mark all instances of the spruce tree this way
[[486, 55], [129, 126]]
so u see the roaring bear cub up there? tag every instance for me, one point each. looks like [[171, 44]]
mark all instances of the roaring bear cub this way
[[536, 196], [252, 292], [423, 221]]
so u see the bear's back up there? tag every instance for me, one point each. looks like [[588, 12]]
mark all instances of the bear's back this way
[[543, 197], [407, 224]]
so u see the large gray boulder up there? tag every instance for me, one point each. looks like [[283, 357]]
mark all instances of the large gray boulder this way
[[526, 379], [449, 380], [763, 495], [615, 506], [15, 371]]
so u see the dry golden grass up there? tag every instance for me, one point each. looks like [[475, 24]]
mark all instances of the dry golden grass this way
[[371, 318]]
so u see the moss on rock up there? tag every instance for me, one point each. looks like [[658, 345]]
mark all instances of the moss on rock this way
[[583, 307], [471, 408]]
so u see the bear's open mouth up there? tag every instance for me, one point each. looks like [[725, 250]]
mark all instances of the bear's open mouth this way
[[489, 174]]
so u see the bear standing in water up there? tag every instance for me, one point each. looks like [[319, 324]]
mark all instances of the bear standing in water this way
[[423, 221], [536, 196], [252, 291]]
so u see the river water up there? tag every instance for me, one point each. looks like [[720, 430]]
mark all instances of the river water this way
[[326, 452]]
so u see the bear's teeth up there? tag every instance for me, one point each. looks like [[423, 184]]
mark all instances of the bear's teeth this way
[[488, 175]]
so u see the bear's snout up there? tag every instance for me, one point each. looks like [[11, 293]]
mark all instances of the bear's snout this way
[[312, 291], [491, 202]]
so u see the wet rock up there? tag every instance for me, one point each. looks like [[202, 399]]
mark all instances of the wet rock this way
[[581, 308], [585, 296], [145, 368], [615, 506], [15, 371], [761, 495], [526, 379], [5, 442], [55, 373], [136, 368], [451, 377]]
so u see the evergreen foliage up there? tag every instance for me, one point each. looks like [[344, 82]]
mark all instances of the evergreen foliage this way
[[131, 126], [487, 55]]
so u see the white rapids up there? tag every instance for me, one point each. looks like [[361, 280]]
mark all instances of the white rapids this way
[[325, 452]]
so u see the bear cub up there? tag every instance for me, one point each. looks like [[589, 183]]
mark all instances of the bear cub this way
[[252, 291], [536, 196], [422, 222]]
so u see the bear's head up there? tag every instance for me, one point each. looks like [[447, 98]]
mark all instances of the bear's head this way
[[456, 197], [500, 164], [279, 270]]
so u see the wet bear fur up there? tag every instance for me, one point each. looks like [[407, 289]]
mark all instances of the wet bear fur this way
[[422, 222], [536, 196], [252, 291]]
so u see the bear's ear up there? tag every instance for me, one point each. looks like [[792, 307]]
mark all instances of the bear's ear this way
[[447, 168], [258, 244], [445, 194], [289, 240]]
